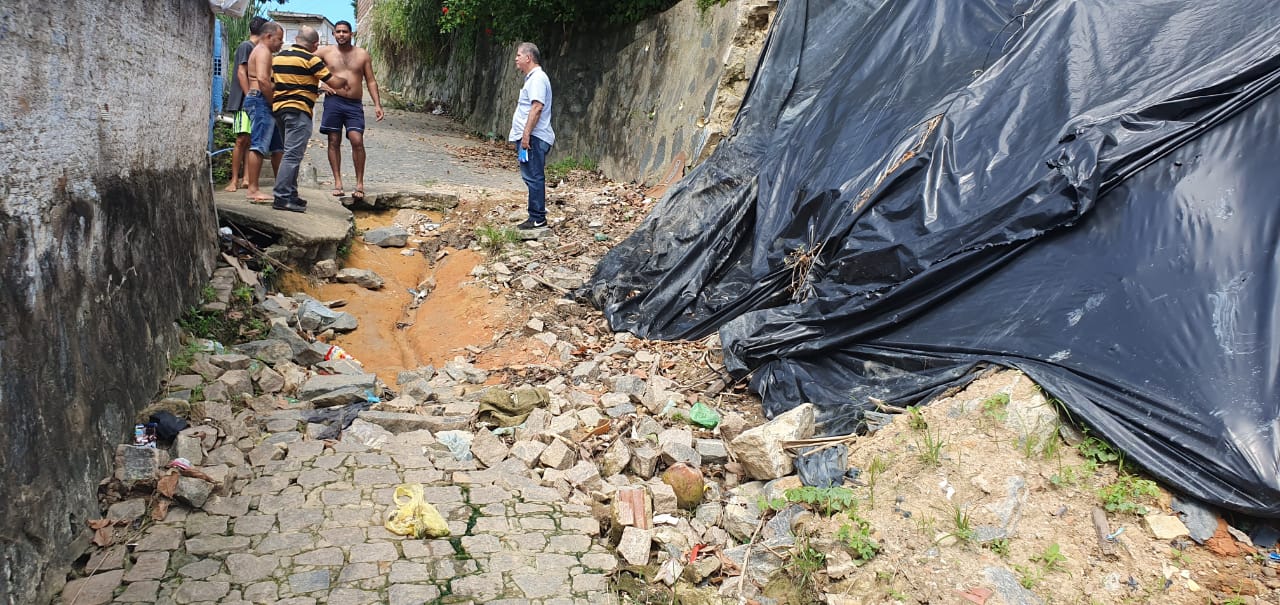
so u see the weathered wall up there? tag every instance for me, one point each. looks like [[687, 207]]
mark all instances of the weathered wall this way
[[106, 226], [635, 99]]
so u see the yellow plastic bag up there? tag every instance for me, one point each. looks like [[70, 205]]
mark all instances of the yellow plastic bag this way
[[412, 515]]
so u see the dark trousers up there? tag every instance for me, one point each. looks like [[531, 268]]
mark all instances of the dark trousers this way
[[534, 173]]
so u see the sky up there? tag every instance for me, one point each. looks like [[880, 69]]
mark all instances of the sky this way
[[335, 10]]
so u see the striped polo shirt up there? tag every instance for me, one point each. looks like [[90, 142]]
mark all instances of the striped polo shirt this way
[[297, 75]]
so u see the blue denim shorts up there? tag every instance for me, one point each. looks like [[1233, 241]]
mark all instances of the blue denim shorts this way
[[264, 137]]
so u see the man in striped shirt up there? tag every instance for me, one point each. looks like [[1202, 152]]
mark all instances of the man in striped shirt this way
[[297, 75]]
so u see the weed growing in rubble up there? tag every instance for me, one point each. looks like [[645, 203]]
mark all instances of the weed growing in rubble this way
[[805, 564], [856, 535], [182, 360], [996, 407], [1000, 546], [1049, 560], [559, 169], [1098, 450], [1127, 493], [492, 238], [915, 419], [826, 500], [876, 468], [931, 449], [962, 522]]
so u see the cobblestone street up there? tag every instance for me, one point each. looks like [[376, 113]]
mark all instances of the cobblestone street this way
[[308, 529]]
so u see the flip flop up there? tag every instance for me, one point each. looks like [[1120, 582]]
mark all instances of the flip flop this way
[[358, 195], [338, 193], [258, 199]]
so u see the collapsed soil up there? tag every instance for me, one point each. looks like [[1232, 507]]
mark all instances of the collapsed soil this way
[[989, 476]]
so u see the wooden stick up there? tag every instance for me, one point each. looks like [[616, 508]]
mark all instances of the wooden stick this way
[[1104, 529]]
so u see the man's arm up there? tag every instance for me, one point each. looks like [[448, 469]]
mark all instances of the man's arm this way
[[260, 71], [242, 76], [372, 83], [535, 112]]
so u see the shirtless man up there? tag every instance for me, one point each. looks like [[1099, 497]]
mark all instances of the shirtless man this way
[[343, 106], [240, 124], [265, 137]]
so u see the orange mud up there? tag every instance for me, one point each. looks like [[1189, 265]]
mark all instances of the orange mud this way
[[392, 337]]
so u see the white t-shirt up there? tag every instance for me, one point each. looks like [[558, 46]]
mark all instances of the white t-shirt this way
[[537, 87]]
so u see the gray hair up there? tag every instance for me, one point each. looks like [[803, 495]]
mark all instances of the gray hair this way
[[307, 35], [269, 28], [530, 49]]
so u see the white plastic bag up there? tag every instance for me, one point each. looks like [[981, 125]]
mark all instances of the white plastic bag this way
[[229, 7]]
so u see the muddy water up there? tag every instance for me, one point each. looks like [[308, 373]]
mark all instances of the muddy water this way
[[392, 337]]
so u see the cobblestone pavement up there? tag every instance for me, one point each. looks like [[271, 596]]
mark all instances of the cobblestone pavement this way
[[306, 528]]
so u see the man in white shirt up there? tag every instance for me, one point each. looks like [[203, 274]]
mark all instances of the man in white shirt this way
[[531, 132]]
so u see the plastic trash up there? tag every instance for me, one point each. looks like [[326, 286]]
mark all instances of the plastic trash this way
[[458, 442], [701, 414], [825, 467], [166, 425], [412, 515]]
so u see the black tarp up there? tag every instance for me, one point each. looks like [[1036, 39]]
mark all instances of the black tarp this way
[[1087, 191]]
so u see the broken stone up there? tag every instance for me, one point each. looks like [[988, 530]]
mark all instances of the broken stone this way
[[462, 371], [361, 277], [238, 382], [231, 361], [387, 237], [344, 322], [269, 351], [644, 460], [528, 451], [325, 269], [673, 453], [398, 423], [93, 590], [712, 451], [764, 560], [339, 389], [488, 448], [314, 316], [584, 475], [664, 498], [1165, 527], [127, 510], [615, 458], [731, 425], [192, 442], [367, 434], [134, 463], [635, 544], [760, 451], [558, 456], [659, 391], [269, 380]]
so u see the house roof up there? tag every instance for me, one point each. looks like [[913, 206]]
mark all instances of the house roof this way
[[286, 16]]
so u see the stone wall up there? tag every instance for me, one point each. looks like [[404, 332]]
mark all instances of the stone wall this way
[[638, 100], [106, 232]]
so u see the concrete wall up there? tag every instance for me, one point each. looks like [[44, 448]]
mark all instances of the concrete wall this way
[[635, 99], [106, 231]]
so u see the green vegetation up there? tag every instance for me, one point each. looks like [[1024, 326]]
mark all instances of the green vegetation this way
[[560, 168], [431, 31], [876, 468], [1049, 560], [996, 407], [1000, 546], [182, 360], [1098, 451], [805, 564], [962, 523], [1127, 494], [856, 535], [705, 5], [825, 500], [931, 449], [915, 419], [492, 238]]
